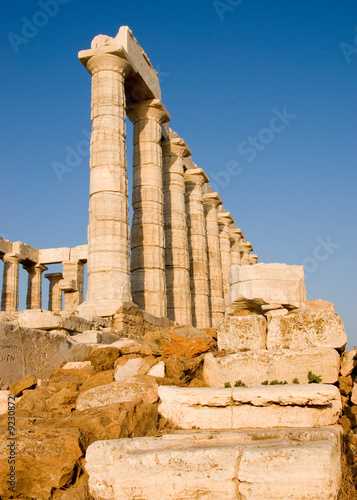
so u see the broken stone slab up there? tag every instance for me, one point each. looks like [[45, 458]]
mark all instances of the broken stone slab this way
[[24, 351], [48, 320], [295, 464], [318, 305], [158, 370], [306, 329], [90, 337], [348, 362], [131, 368], [311, 405], [262, 284], [4, 398], [255, 367], [127, 346], [141, 387], [354, 394], [78, 365], [238, 333], [24, 383]]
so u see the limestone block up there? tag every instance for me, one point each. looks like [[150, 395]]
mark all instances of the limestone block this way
[[255, 367], [128, 370], [33, 352], [348, 362], [261, 284], [79, 252], [19, 386], [311, 405], [25, 252], [48, 320], [90, 337], [319, 305], [218, 465], [308, 329], [139, 387], [238, 333], [127, 346], [54, 255], [77, 365], [5, 246], [157, 370], [354, 394], [4, 397]]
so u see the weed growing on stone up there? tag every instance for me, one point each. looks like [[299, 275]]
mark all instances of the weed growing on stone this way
[[296, 381], [239, 383], [227, 384], [314, 379]]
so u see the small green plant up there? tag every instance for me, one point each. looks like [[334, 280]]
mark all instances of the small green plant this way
[[274, 382], [239, 383], [265, 382], [227, 384], [296, 381], [314, 379]]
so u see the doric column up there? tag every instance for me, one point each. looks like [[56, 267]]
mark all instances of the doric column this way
[[72, 284], [55, 292], [147, 233], [246, 248], [108, 230], [177, 259], [197, 245], [34, 286], [10, 284], [235, 238], [211, 201], [224, 221]]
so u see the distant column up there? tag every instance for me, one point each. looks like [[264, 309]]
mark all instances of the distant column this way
[[197, 245], [10, 286], [211, 201], [55, 292], [253, 259], [246, 248], [235, 238], [147, 233], [108, 230], [224, 221], [177, 259], [72, 284], [34, 286]]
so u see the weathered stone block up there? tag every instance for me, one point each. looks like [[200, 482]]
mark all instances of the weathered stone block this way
[[4, 397], [254, 286], [238, 333], [294, 465], [348, 362], [255, 367], [48, 320], [308, 329]]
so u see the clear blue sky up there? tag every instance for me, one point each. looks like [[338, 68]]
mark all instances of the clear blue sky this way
[[227, 69]]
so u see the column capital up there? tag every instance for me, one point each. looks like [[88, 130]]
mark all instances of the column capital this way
[[149, 108], [196, 176], [236, 233], [11, 257], [247, 246], [212, 199], [253, 258], [175, 146], [224, 218], [54, 276], [109, 62]]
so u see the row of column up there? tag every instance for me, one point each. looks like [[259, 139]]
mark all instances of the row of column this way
[[182, 247], [71, 282]]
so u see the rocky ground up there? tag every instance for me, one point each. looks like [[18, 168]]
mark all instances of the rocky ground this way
[[114, 394]]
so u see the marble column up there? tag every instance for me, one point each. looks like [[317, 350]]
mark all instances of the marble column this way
[[177, 259], [235, 239], [147, 233], [197, 244], [10, 286], [246, 248], [108, 230], [72, 284], [224, 221], [211, 201], [34, 286], [55, 292]]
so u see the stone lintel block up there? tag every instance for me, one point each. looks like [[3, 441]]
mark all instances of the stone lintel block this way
[[79, 252], [239, 333], [48, 320], [5, 246], [306, 329], [25, 252], [255, 367], [54, 255], [311, 405], [276, 464]]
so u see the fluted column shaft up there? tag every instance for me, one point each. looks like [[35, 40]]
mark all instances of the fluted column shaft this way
[[55, 292], [34, 286], [177, 260], [197, 244], [235, 239], [10, 286], [224, 221], [147, 233], [211, 201], [108, 230]]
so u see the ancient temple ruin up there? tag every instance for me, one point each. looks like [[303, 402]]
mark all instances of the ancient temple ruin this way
[[174, 260]]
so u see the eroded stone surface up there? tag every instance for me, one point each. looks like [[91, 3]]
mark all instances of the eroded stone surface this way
[[238, 333], [348, 362]]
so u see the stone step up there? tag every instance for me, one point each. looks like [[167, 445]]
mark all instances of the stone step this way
[[261, 465], [310, 405], [255, 367]]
